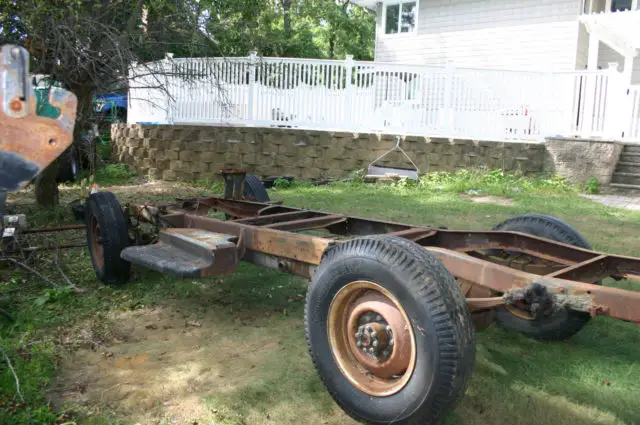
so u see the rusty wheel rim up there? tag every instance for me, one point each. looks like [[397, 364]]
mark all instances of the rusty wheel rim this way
[[97, 250], [371, 338]]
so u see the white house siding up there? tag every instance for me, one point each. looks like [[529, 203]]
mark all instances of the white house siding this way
[[515, 34]]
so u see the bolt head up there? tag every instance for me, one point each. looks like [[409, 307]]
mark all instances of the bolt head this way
[[391, 342], [375, 343], [378, 318], [385, 353], [371, 350], [374, 334], [359, 343]]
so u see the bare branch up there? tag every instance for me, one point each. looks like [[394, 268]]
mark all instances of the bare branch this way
[[15, 376], [29, 269]]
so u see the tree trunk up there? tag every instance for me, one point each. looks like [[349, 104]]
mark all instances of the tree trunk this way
[[332, 45], [286, 6], [46, 185], [47, 194]]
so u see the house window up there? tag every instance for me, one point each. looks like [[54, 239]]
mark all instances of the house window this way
[[619, 5], [401, 17]]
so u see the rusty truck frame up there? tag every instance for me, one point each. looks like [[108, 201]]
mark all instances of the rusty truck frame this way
[[391, 309]]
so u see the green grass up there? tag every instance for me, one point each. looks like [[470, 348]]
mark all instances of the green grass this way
[[247, 363]]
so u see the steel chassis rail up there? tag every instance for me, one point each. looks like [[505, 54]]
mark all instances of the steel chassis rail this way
[[265, 235]]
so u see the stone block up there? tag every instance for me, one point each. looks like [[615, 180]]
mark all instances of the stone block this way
[[169, 175], [172, 154], [175, 165], [187, 155], [249, 159], [207, 157], [133, 142], [177, 145], [187, 166], [162, 165]]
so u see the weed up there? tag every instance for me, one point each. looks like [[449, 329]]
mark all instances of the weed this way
[[53, 295], [281, 183], [592, 186]]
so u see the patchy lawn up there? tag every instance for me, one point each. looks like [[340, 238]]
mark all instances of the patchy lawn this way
[[231, 350]]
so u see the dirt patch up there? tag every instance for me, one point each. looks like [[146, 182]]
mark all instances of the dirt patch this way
[[162, 368], [488, 200]]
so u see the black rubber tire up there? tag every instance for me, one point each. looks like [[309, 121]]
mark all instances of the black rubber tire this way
[[442, 326], [68, 167], [565, 323], [106, 209], [254, 190]]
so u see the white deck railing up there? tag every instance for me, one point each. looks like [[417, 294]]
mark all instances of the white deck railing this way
[[633, 105], [382, 97]]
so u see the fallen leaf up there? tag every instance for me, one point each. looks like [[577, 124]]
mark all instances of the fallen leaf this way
[[193, 323], [152, 326]]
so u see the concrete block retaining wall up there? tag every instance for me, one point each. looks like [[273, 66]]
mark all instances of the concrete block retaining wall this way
[[196, 152]]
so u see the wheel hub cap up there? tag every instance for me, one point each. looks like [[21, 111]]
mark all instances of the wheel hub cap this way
[[371, 338]]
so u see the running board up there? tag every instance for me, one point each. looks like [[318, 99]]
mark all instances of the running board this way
[[187, 253]]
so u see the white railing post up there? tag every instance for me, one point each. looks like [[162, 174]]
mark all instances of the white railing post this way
[[348, 87], [615, 99], [170, 86], [252, 86], [448, 109]]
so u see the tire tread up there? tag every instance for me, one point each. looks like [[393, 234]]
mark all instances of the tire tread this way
[[432, 283]]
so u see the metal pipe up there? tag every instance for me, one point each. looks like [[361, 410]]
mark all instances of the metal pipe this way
[[54, 229]]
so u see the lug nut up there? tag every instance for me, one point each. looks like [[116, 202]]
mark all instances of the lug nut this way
[[371, 350], [378, 318], [390, 342], [374, 334], [359, 343], [385, 353], [375, 343]]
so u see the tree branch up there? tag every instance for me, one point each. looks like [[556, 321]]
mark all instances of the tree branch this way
[[15, 376]]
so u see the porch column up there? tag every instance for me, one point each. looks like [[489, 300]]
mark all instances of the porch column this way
[[634, 5], [628, 69], [592, 58]]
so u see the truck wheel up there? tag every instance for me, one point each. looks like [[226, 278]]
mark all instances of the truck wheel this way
[[254, 189], [68, 167], [389, 331], [558, 326], [107, 236]]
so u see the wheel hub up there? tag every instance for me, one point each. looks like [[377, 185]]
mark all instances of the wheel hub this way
[[375, 338], [371, 338]]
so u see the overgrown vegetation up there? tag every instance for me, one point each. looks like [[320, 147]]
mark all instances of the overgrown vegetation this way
[[231, 350]]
